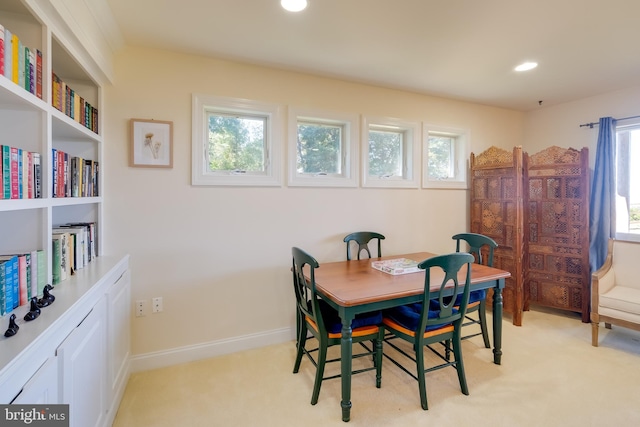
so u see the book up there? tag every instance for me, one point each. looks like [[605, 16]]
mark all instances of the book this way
[[32, 71], [3, 285], [7, 265], [78, 244], [6, 172], [54, 172], [14, 58], [14, 171], [23, 277], [37, 176], [90, 238], [38, 73], [8, 53], [65, 254], [33, 281], [12, 291], [20, 172], [396, 266], [21, 77], [1, 49], [42, 271], [56, 260]]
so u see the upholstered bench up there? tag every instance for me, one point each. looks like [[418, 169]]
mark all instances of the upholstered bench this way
[[615, 289]]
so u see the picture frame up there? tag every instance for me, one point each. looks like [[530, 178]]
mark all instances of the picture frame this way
[[151, 143]]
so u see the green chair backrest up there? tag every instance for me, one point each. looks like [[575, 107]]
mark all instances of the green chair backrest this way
[[362, 238], [305, 289], [450, 264], [476, 243]]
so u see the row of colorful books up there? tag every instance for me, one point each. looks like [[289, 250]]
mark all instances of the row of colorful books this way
[[19, 63], [73, 247], [67, 100], [74, 176], [22, 276], [21, 176]]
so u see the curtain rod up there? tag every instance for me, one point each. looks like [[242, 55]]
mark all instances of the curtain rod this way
[[592, 124]]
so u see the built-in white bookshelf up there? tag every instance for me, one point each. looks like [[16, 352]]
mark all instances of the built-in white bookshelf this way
[[77, 351], [33, 124]]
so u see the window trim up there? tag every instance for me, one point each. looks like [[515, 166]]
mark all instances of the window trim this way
[[411, 153], [623, 235], [205, 104], [349, 177], [460, 181]]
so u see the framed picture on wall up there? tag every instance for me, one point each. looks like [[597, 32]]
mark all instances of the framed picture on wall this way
[[151, 143]]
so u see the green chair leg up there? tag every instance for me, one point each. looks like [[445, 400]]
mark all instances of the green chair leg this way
[[457, 353], [322, 358], [482, 314]]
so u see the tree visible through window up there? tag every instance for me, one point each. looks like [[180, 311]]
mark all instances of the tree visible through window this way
[[236, 143], [441, 157], [385, 153], [319, 148]]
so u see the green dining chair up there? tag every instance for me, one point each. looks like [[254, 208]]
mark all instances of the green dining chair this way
[[317, 319], [422, 326], [362, 239], [481, 247]]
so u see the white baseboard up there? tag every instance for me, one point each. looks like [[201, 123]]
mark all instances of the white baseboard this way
[[174, 356]]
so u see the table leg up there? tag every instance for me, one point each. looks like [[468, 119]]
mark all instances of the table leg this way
[[497, 323], [346, 367]]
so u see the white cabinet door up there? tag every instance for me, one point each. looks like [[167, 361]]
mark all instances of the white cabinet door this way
[[83, 370], [118, 335], [42, 388]]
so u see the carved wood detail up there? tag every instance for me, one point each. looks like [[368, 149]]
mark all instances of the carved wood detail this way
[[537, 209], [556, 232], [496, 211]]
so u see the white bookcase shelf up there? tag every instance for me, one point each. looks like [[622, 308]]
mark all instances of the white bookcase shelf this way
[[34, 124], [77, 350]]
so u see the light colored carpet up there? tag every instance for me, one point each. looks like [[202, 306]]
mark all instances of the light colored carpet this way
[[550, 376]]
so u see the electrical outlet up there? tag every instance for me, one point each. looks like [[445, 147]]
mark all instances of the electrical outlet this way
[[156, 304], [141, 308]]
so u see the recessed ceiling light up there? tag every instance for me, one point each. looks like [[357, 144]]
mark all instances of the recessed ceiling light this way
[[526, 66], [294, 5]]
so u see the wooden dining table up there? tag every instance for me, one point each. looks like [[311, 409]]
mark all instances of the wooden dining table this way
[[354, 287]]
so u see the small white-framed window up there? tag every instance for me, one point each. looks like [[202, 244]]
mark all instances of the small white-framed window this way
[[235, 142], [390, 153], [323, 149], [445, 157]]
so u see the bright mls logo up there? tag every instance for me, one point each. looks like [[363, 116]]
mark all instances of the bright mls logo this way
[[34, 415]]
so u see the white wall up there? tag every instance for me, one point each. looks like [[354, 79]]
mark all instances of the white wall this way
[[220, 257], [560, 125]]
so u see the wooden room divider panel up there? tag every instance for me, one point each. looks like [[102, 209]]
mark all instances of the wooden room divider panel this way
[[496, 211], [556, 231]]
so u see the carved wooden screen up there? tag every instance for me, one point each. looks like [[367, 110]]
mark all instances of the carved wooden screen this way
[[496, 211], [557, 229]]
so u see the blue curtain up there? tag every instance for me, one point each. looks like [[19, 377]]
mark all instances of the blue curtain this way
[[602, 206]]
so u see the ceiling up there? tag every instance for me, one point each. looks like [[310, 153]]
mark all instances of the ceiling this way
[[460, 49]]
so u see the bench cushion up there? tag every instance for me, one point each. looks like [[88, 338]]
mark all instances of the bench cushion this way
[[622, 298]]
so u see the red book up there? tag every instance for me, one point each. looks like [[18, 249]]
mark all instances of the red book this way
[[38, 73], [30, 181], [1, 50], [22, 279], [15, 180]]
